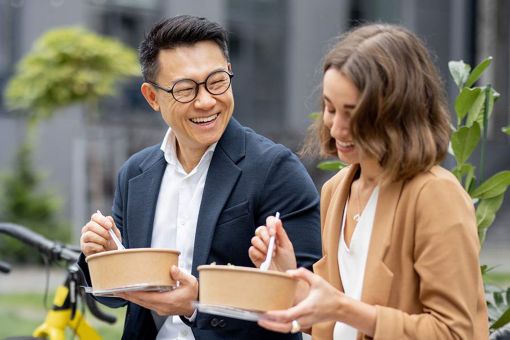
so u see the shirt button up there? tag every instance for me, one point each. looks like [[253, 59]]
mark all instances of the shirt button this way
[[214, 322], [222, 323]]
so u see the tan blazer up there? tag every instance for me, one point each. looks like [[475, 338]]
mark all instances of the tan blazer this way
[[422, 271]]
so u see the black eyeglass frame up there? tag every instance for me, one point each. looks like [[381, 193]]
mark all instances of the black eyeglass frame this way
[[197, 85]]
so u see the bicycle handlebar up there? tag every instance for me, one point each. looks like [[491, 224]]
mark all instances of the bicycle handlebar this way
[[55, 251], [94, 309], [5, 267], [52, 249]]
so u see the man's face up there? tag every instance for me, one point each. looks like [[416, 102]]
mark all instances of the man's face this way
[[201, 122]]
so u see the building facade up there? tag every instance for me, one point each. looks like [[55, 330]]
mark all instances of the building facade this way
[[276, 48]]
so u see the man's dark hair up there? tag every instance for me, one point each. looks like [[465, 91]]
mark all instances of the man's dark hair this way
[[174, 32]]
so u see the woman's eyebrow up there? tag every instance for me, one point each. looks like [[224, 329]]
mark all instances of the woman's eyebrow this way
[[346, 106]]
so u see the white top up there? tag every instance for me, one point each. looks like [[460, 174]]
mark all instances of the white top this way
[[352, 260], [175, 221]]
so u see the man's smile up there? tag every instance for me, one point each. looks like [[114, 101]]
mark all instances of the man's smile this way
[[204, 120]]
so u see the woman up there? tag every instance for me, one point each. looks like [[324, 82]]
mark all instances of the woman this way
[[400, 245]]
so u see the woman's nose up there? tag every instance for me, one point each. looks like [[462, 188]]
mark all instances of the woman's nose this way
[[341, 126]]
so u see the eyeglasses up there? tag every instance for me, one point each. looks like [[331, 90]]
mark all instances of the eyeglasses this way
[[186, 90]]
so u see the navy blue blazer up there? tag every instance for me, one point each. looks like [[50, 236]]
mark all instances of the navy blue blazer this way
[[249, 178]]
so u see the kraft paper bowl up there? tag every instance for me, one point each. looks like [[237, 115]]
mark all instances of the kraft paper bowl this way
[[246, 288], [117, 269]]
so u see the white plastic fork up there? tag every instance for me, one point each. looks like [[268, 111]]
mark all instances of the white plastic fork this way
[[265, 265], [112, 234]]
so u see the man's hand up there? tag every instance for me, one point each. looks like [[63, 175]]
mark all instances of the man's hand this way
[[175, 302], [95, 237]]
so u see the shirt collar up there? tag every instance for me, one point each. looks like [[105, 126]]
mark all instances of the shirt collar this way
[[168, 148]]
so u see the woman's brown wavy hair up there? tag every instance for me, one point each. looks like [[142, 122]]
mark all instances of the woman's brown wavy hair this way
[[401, 118]]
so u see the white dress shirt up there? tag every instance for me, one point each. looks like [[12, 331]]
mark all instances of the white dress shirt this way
[[352, 260], [175, 221]]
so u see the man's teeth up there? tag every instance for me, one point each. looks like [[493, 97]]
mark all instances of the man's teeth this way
[[202, 120]]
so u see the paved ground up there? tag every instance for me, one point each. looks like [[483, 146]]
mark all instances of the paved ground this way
[[30, 279]]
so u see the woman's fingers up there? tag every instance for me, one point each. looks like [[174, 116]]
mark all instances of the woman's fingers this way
[[257, 252], [303, 274], [263, 233], [259, 244], [275, 227], [275, 326], [282, 236], [256, 256]]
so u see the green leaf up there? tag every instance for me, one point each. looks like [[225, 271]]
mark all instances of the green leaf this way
[[502, 321], [460, 72], [506, 130], [477, 72], [498, 298], [462, 170], [314, 115], [486, 213], [331, 165], [470, 181], [493, 96], [494, 186], [465, 101], [475, 111], [486, 269], [464, 141]]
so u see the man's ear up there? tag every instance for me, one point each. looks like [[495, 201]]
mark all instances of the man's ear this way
[[229, 67], [149, 93]]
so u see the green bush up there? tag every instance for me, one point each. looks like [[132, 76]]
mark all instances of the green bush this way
[[23, 202], [65, 66]]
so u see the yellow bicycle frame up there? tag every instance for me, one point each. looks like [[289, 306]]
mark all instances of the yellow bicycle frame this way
[[57, 320]]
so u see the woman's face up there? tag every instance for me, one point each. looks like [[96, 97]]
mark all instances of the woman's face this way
[[340, 96]]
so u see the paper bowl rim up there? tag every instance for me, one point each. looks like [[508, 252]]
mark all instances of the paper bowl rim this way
[[244, 269], [131, 250]]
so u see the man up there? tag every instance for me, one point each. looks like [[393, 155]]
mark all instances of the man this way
[[204, 190]]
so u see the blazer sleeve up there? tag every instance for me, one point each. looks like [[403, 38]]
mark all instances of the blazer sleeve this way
[[446, 260], [289, 189]]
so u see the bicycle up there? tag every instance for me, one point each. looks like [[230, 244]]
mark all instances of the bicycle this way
[[63, 313]]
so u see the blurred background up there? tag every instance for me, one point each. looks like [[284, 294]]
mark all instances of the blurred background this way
[[276, 48]]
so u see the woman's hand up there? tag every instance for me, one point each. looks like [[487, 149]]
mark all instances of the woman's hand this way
[[283, 255], [95, 237], [322, 303]]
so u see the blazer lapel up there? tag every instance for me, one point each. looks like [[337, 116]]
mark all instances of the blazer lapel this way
[[142, 197], [378, 277], [334, 221], [221, 178]]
